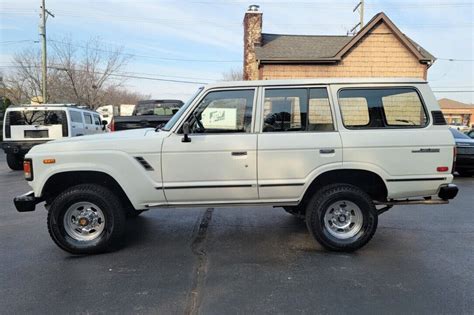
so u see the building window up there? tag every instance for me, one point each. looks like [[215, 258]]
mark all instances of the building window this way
[[382, 108], [300, 109]]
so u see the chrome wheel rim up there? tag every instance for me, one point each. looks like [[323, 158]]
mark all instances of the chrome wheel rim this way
[[343, 219], [84, 221]]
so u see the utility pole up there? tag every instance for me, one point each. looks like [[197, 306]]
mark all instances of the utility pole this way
[[44, 63], [359, 6]]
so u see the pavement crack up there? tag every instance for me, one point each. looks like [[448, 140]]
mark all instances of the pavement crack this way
[[200, 270]]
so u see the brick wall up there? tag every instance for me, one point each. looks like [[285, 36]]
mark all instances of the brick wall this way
[[378, 54]]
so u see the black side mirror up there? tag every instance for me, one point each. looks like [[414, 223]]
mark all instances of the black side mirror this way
[[186, 133], [104, 124]]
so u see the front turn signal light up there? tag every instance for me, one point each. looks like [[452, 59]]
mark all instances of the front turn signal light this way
[[28, 169]]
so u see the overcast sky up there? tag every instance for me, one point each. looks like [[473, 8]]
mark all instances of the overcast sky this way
[[199, 40]]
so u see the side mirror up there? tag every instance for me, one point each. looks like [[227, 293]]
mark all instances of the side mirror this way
[[104, 124], [186, 133]]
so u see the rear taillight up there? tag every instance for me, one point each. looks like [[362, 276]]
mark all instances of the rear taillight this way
[[28, 169], [64, 123], [7, 126], [455, 152], [112, 125]]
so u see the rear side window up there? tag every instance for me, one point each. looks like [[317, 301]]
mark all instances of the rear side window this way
[[299, 109], [96, 120], [88, 119], [36, 117], [382, 108], [76, 116]]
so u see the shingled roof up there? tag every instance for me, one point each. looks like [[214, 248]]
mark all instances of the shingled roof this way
[[276, 48]]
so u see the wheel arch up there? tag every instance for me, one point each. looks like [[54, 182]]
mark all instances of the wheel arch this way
[[369, 181], [58, 182]]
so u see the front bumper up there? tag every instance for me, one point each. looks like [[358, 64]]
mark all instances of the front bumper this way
[[26, 202], [19, 147], [448, 192]]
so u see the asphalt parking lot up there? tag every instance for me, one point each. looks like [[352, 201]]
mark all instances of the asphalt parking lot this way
[[241, 261]]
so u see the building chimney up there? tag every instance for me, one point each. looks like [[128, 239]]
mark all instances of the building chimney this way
[[252, 38]]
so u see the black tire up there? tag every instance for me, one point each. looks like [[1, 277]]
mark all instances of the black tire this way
[[111, 208], [321, 203], [15, 161], [297, 211]]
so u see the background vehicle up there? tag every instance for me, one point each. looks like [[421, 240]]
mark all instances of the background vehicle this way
[[147, 114], [28, 125], [464, 153], [335, 152], [459, 126], [470, 133]]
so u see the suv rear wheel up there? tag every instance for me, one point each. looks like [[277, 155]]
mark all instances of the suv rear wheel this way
[[86, 219], [15, 161], [341, 217]]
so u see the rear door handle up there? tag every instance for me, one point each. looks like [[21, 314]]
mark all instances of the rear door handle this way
[[327, 151], [239, 153]]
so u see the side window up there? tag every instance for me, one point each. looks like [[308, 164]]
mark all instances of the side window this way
[[285, 110], [300, 109], [97, 120], [223, 111], [319, 112], [382, 108], [88, 118], [76, 116]]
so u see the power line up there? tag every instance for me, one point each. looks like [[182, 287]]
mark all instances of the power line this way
[[452, 59], [132, 75], [152, 57]]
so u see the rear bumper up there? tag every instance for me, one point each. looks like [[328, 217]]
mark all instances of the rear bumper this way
[[448, 192], [26, 202], [19, 147]]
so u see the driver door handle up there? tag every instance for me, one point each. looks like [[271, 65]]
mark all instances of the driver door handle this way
[[242, 153]]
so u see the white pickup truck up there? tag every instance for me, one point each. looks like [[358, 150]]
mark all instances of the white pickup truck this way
[[334, 152]]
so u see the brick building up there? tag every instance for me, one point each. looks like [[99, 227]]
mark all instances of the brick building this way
[[379, 49], [457, 113]]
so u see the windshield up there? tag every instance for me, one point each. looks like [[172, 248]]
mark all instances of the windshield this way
[[458, 135], [176, 116], [159, 109]]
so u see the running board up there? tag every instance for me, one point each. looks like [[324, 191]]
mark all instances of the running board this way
[[412, 202]]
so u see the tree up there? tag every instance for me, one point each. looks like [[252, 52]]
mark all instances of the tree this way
[[233, 75], [83, 74]]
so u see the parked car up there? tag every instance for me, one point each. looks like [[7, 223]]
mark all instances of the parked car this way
[[464, 153], [29, 125], [470, 133], [339, 153], [152, 113]]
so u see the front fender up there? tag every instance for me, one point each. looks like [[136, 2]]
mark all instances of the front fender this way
[[122, 167]]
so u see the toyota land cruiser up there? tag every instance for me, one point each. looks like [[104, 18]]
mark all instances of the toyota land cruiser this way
[[335, 152]]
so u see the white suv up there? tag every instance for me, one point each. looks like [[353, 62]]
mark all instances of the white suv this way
[[28, 125], [335, 152]]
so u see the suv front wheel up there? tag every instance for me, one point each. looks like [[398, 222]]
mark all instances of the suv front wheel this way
[[341, 217], [86, 219]]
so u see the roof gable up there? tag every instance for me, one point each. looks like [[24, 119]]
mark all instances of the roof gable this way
[[416, 49], [276, 48]]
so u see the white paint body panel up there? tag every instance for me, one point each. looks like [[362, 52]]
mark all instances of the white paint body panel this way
[[277, 167]]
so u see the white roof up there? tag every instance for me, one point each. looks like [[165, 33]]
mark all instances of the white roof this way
[[315, 81]]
